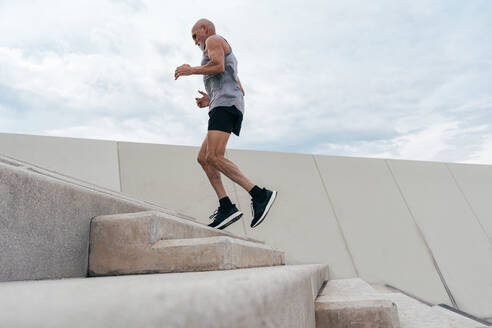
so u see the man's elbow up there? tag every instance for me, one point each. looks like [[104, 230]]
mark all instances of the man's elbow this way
[[216, 66]]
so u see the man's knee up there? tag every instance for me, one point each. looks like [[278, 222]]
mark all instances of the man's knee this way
[[213, 160], [202, 160]]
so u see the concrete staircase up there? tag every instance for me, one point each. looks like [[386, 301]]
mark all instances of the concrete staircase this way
[[195, 276]]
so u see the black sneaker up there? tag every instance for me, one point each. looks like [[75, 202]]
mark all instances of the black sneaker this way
[[260, 210], [223, 219]]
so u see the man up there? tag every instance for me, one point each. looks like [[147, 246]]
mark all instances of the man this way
[[224, 97]]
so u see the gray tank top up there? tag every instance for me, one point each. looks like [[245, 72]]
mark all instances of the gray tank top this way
[[223, 88]]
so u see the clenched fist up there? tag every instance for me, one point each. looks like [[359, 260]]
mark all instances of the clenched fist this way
[[204, 101]]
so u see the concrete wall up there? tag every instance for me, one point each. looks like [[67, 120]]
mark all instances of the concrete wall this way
[[422, 227]]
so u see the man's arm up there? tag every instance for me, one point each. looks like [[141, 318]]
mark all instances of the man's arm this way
[[239, 82], [214, 66], [216, 54]]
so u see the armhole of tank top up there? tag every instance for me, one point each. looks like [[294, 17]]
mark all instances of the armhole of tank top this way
[[230, 48]]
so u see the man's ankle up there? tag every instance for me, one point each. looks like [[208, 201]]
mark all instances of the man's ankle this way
[[225, 203], [258, 194]]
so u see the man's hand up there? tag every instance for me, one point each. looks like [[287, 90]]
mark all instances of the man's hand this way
[[182, 70], [203, 101]]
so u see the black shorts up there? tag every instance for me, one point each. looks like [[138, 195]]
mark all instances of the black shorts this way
[[227, 119]]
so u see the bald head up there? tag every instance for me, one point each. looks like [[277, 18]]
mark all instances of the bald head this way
[[206, 24], [202, 29]]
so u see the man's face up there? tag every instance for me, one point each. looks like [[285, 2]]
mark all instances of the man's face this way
[[198, 35]]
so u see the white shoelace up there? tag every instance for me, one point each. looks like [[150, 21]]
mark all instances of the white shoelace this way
[[212, 217]]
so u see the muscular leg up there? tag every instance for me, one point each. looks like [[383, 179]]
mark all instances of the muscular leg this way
[[212, 173], [216, 144]]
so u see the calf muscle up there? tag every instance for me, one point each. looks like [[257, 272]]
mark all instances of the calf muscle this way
[[216, 143]]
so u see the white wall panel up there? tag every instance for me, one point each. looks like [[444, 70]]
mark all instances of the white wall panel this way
[[170, 176], [94, 161]]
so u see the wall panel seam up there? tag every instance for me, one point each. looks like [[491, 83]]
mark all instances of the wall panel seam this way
[[421, 234], [468, 202], [335, 216], [119, 164]]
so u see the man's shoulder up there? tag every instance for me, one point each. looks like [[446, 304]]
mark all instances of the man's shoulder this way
[[215, 40]]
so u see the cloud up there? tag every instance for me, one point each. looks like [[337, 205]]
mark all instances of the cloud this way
[[407, 79], [484, 154]]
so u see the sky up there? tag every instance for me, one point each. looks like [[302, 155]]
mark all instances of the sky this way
[[386, 79]]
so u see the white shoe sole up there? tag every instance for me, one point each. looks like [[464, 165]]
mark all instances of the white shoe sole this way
[[267, 208], [230, 220]]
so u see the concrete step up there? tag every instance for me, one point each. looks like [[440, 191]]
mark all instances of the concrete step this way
[[355, 303], [348, 303], [183, 255], [456, 319], [154, 242], [281, 296], [155, 225], [415, 314]]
